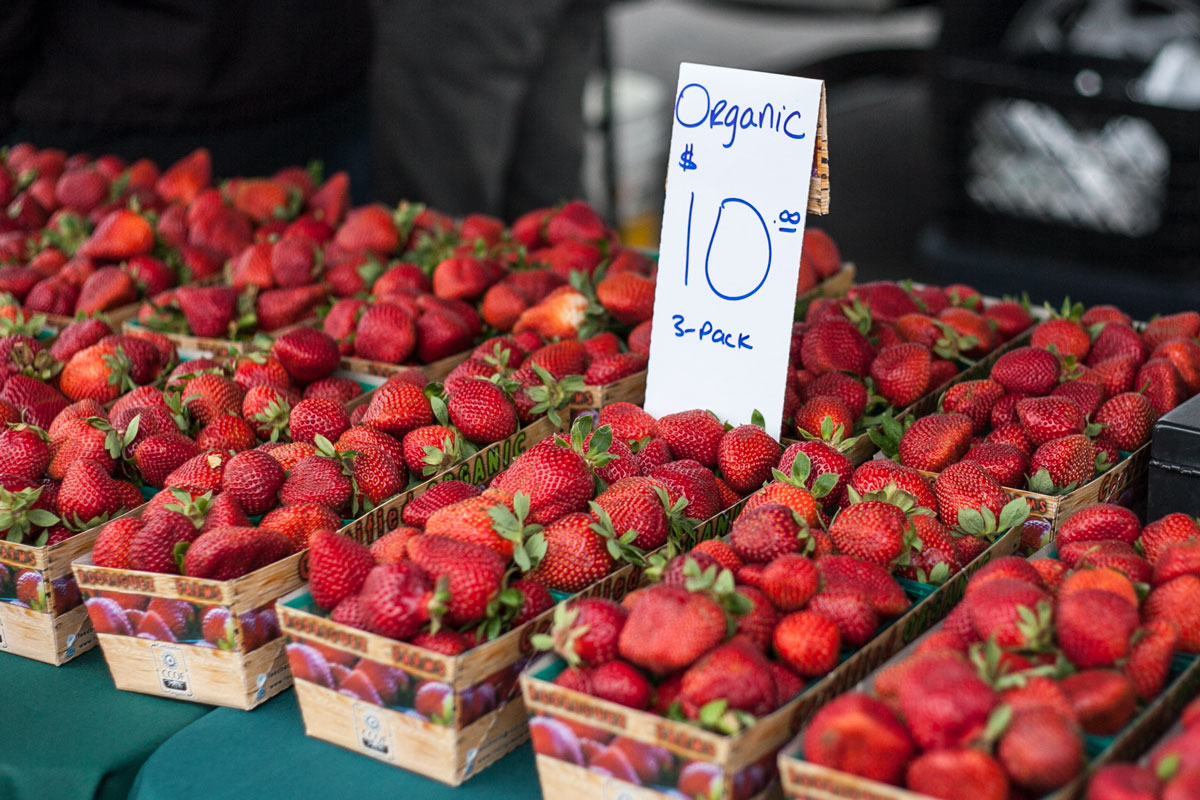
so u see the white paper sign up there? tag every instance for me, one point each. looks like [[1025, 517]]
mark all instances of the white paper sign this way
[[738, 179]]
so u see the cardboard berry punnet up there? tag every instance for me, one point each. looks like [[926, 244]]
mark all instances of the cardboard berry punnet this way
[[41, 611], [445, 717], [207, 641]]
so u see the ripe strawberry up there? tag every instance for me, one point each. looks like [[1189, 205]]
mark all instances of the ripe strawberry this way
[[208, 396], [873, 531], [306, 354], [318, 479], [1100, 522], [160, 454], [790, 581], [297, 522], [255, 479], [1061, 465], [1027, 370], [78, 335], [1124, 782], [1128, 419], [1048, 418], [119, 235], [1184, 325], [318, 417], [260, 369], [1088, 396], [901, 373], [230, 552], [629, 297], [153, 548], [335, 387], [732, 673], [764, 533], [399, 407], [808, 643], [857, 734], [1184, 355], [471, 573], [114, 541], [945, 702], [746, 455], [1116, 340], [575, 221], [610, 369], [1160, 382], [934, 442], [1066, 336], [967, 485], [227, 433], [202, 473], [968, 325], [338, 567], [24, 452], [288, 455], [1175, 601], [1160, 534], [668, 628], [876, 474], [376, 477], [100, 372], [1002, 609], [1005, 463], [959, 772], [1041, 750], [184, 179], [385, 333], [824, 417], [268, 410], [850, 392], [1114, 375], [1150, 657], [836, 345], [277, 308], [1094, 627], [480, 410], [87, 496], [856, 620], [975, 399], [1102, 700]]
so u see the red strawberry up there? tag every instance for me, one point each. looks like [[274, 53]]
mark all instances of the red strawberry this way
[[876, 474], [472, 574], [1175, 601], [1027, 370], [184, 179], [385, 333], [1005, 463], [297, 522], [376, 477], [959, 772], [945, 702], [1048, 418], [119, 235], [824, 417], [1063, 464], [1160, 534], [1128, 419], [1160, 382], [1094, 627], [934, 442], [1100, 522], [669, 627], [202, 473], [901, 373], [859, 735], [255, 479], [873, 531], [306, 353], [277, 308], [87, 496], [746, 455], [1116, 340], [850, 392], [114, 541], [836, 345], [338, 567], [629, 297], [975, 399], [1041, 750], [230, 552], [399, 407], [480, 410], [575, 221], [1066, 336], [808, 643], [318, 479], [1088, 396], [739, 676], [1184, 325]]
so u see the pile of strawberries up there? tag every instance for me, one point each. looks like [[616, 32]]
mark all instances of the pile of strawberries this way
[[561, 517], [1171, 771], [1036, 655], [1054, 414], [884, 346]]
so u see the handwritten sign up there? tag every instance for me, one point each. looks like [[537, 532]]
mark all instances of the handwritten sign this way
[[741, 178]]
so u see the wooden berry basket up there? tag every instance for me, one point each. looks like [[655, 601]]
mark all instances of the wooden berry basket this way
[[115, 317], [55, 628], [745, 761], [630, 389], [805, 781], [237, 660]]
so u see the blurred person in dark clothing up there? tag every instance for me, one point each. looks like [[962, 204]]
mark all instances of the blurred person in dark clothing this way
[[261, 85], [477, 105]]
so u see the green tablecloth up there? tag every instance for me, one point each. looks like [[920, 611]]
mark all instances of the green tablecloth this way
[[66, 732], [264, 753]]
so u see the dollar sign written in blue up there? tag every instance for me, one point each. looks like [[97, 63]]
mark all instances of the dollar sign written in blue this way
[[685, 160]]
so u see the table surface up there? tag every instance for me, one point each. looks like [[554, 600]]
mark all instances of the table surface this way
[[68, 733], [265, 753]]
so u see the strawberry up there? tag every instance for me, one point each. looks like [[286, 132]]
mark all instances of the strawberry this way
[[808, 643], [1128, 419], [184, 179], [577, 553], [208, 396], [306, 354], [1150, 657], [1100, 522], [825, 418], [1005, 463], [885, 300], [1116, 341], [86, 497], [119, 235], [1160, 534], [317, 417], [1184, 355], [934, 442], [1124, 782], [209, 310], [836, 345], [338, 567], [1094, 627], [959, 772], [1061, 465], [629, 297], [1160, 382], [1012, 611], [1184, 325], [575, 221], [227, 433], [259, 369], [24, 452], [1066, 336], [100, 372], [975, 399], [876, 474], [298, 522], [1175, 601], [290, 454], [610, 369], [1027, 370], [1114, 375], [268, 410], [945, 702], [252, 268], [203, 472], [385, 333], [766, 532], [78, 335], [586, 631], [850, 392], [746, 455], [376, 477], [230, 552], [336, 387], [277, 308], [822, 460], [368, 228], [479, 409], [850, 611], [114, 541], [739, 677], [160, 454], [901, 373], [968, 486], [668, 628], [441, 333], [399, 407], [874, 531], [789, 581], [1041, 750], [323, 479], [857, 734], [970, 328], [1048, 418], [254, 478], [471, 575]]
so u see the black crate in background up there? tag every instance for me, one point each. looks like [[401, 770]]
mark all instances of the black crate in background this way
[[971, 74]]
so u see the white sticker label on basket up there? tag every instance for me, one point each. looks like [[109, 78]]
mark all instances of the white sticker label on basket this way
[[738, 178], [373, 732], [172, 669]]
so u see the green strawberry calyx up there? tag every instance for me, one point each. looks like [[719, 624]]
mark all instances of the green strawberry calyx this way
[[716, 715], [887, 432], [550, 396], [983, 522], [620, 547], [529, 543]]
